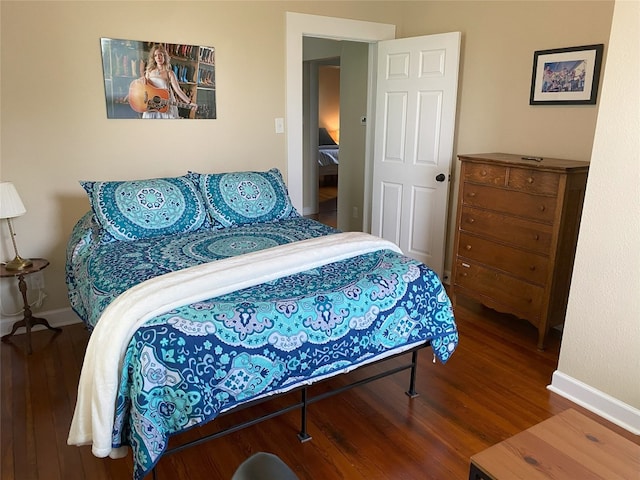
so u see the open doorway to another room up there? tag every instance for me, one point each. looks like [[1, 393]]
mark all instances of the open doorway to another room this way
[[335, 86], [328, 140], [321, 128], [354, 203]]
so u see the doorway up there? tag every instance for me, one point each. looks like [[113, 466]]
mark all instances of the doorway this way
[[299, 26], [336, 90], [328, 140], [321, 113]]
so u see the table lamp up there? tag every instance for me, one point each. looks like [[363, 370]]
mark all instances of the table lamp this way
[[11, 206]]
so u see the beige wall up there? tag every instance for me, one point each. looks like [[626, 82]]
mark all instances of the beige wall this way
[[329, 98], [498, 42], [601, 343], [54, 129]]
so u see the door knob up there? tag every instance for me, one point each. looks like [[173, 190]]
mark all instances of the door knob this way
[[440, 177]]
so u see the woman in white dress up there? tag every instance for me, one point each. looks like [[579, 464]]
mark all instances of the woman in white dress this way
[[160, 75]]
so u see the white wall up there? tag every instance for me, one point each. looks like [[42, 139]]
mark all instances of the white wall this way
[[601, 341]]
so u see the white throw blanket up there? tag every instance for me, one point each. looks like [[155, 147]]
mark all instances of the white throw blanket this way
[[98, 388]]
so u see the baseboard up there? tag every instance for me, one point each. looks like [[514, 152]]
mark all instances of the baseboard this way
[[56, 318], [596, 401], [306, 211]]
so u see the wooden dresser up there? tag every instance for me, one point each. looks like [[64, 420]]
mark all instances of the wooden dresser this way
[[516, 232]]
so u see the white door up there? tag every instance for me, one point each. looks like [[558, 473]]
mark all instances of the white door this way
[[417, 87]]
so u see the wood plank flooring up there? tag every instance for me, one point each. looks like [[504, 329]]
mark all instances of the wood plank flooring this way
[[493, 387], [327, 205]]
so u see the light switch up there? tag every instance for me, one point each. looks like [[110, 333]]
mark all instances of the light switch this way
[[279, 125]]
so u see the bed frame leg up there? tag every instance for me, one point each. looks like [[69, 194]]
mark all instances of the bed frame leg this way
[[412, 383], [304, 436]]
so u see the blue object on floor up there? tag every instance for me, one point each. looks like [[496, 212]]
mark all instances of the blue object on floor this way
[[264, 466]]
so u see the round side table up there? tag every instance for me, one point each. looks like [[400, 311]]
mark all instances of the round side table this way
[[29, 320]]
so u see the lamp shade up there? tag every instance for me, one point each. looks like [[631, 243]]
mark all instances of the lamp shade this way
[[10, 203]]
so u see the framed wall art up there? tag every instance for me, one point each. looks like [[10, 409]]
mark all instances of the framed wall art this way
[[566, 76], [158, 80]]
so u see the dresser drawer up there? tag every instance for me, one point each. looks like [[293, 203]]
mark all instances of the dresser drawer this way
[[483, 173], [545, 183], [515, 296], [514, 230], [528, 266], [521, 204]]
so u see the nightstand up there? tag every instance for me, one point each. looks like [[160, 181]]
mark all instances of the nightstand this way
[[29, 320]]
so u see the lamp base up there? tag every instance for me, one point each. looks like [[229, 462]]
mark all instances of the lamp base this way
[[18, 263]]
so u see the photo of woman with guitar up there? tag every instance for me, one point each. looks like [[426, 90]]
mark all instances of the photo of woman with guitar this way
[[158, 92]]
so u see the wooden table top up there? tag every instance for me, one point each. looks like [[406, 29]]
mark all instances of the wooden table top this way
[[38, 264], [567, 446]]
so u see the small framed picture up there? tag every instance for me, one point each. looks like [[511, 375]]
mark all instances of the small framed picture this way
[[566, 76]]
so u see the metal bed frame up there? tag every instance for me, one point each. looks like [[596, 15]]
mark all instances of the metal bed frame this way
[[304, 402]]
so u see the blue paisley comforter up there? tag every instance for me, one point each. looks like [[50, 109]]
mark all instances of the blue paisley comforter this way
[[186, 365], [98, 271]]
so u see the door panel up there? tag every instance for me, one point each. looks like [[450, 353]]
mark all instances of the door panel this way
[[417, 85], [390, 213], [422, 205], [429, 114], [396, 108]]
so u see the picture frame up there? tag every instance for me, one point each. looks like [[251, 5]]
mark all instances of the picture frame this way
[[158, 80], [566, 76]]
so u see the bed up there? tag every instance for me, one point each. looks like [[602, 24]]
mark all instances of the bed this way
[[327, 154], [208, 292]]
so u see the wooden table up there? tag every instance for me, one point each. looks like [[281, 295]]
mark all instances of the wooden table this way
[[28, 320], [568, 446]]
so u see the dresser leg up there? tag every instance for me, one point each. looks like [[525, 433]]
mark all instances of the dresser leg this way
[[542, 339]]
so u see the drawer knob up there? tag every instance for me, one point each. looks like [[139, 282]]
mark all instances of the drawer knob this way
[[530, 179], [468, 247], [472, 194], [542, 208], [536, 236], [532, 268], [483, 173], [471, 220], [463, 274]]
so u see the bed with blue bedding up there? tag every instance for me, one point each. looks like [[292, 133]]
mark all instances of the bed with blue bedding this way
[[206, 292]]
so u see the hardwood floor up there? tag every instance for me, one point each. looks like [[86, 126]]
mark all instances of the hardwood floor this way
[[327, 205], [493, 387]]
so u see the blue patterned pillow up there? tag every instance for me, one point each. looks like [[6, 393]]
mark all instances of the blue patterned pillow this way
[[239, 198], [136, 209]]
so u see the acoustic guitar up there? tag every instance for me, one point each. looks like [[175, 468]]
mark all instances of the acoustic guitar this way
[[147, 98]]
